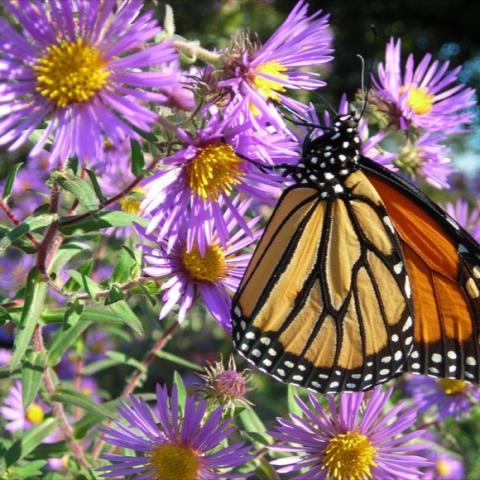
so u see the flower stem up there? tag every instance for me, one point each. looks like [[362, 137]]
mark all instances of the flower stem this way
[[57, 407], [11, 216], [137, 374], [196, 51]]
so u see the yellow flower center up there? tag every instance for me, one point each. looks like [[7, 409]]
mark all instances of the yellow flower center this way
[[268, 86], [35, 414], [207, 268], [443, 468], [87, 391], [70, 72], [98, 347], [349, 456], [215, 169], [174, 462], [450, 386], [420, 100], [132, 202]]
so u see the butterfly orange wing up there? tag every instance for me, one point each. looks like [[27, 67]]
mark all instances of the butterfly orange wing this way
[[444, 270]]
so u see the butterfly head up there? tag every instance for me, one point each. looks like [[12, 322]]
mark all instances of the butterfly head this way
[[331, 157]]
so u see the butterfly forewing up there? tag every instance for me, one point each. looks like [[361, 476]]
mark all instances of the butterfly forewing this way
[[325, 302]]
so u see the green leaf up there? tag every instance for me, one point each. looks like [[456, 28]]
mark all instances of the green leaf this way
[[29, 470], [125, 314], [22, 243], [178, 360], [125, 267], [84, 426], [150, 137], [115, 295], [32, 372], [30, 440], [96, 187], [28, 225], [100, 365], [68, 396], [251, 423], [123, 359], [181, 389], [81, 189], [74, 325], [71, 284], [101, 220], [292, 404], [65, 253], [138, 161], [91, 287], [10, 180], [35, 294]]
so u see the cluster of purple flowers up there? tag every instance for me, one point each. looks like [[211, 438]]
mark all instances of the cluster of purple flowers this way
[[425, 104]]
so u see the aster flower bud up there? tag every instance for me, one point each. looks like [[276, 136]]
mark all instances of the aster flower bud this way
[[226, 385]]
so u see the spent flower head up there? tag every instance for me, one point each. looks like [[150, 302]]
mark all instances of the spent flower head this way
[[82, 67], [355, 441], [173, 446], [426, 158], [226, 385]]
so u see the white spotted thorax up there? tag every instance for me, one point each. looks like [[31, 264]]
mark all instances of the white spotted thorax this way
[[330, 158]]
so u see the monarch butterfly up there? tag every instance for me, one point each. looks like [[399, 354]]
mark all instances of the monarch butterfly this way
[[358, 278]]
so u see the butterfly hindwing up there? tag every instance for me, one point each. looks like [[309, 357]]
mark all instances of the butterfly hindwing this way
[[325, 302], [444, 267]]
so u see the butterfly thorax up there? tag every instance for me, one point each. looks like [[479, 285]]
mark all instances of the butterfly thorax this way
[[327, 160]]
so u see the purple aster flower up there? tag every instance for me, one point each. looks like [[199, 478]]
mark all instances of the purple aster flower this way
[[29, 189], [426, 159], [259, 75], [97, 343], [16, 418], [213, 164], [427, 96], [355, 442], [446, 397], [171, 446], [460, 211], [5, 356], [444, 466], [14, 269], [58, 464], [203, 266], [80, 66]]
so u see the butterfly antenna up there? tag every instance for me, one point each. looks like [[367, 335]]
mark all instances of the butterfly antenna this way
[[370, 71], [326, 103], [301, 120]]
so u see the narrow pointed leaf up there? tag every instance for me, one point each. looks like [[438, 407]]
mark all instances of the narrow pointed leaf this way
[[32, 372], [10, 180], [28, 225], [35, 294]]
